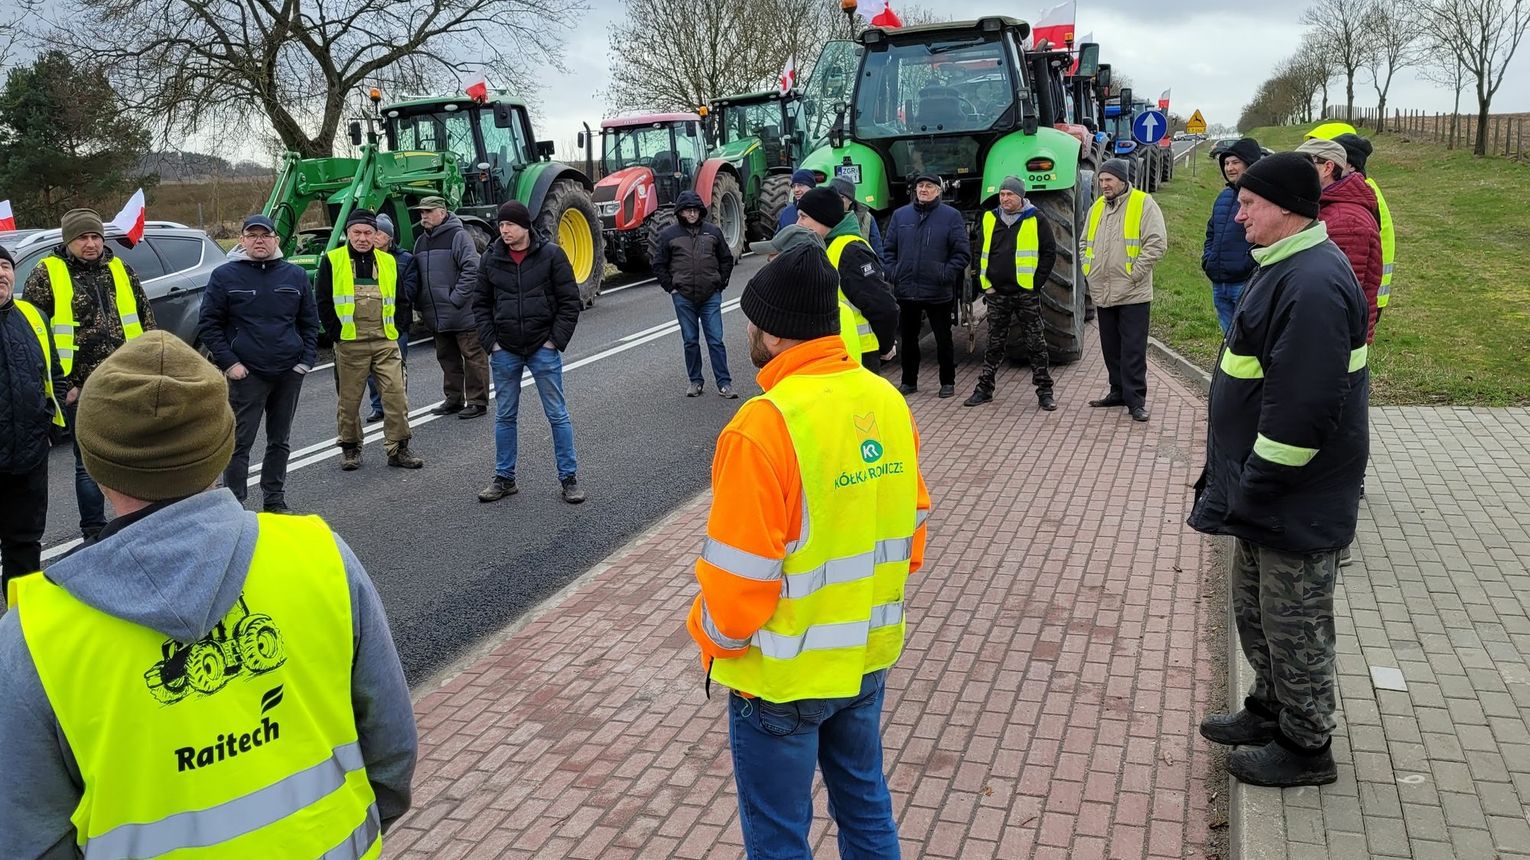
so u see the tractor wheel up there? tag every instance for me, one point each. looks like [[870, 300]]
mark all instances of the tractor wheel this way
[[774, 195], [727, 212], [633, 261], [480, 235], [1062, 296], [260, 644], [658, 222], [165, 692], [568, 217], [206, 670]]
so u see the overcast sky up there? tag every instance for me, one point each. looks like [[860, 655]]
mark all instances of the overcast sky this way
[[1212, 55]]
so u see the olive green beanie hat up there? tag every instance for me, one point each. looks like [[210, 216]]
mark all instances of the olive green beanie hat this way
[[154, 421]]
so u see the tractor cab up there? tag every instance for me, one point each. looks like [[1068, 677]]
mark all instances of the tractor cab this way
[[768, 117], [646, 161], [1065, 94]]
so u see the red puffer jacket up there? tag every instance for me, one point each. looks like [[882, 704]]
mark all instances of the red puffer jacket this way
[[1354, 224]]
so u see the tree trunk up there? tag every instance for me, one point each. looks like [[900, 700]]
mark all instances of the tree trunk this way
[[1381, 114], [1483, 103], [1349, 96], [1325, 100]]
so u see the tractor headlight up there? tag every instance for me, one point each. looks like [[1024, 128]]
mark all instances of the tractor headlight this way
[[608, 209]]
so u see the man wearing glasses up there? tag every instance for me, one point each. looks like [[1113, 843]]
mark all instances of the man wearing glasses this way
[[261, 324]]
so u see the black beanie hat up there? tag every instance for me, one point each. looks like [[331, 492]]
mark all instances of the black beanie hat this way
[[1357, 148], [1286, 179], [515, 212], [362, 216], [1118, 168], [823, 206], [795, 296], [1246, 148], [5, 254]]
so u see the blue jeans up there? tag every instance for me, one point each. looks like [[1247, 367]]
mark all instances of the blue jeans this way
[[546, 366], [403, 354], [87, 495], [775, 750], [1225, 298], [697, 318]]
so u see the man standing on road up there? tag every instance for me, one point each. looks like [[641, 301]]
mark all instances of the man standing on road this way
[[408, 284], [447, 261], [359, 301], [692, 262], [866, 223], [803, 181], [526, 306], [1125, 239], [1018, 254], [30, 419], [1285, 454], [260, 323], [1357, 152], [1225, 256], [1348, 210], [927, 250], [868, 312], [95, 304], [123, 730], [821, 472]]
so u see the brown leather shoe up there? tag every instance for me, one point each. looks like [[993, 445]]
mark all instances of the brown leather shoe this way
[[350, 458]]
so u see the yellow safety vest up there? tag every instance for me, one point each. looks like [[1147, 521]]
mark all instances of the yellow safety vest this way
[[1388, 245], [841, 610], [63, 306], [1134, 202], [1027, 252], [40, 328], [242, 744], [343, 282], [854, 330]]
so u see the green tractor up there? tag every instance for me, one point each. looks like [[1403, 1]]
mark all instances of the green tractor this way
[[476, 154], [959, 99], [761, 135]]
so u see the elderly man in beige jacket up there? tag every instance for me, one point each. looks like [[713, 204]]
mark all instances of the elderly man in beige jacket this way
[[1125, 238]]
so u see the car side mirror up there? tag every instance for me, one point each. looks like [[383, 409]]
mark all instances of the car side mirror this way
[[504, 116], [355, 132], [1088, 60]]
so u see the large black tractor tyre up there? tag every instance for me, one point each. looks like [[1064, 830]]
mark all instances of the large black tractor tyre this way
[[726, 210], [775, 194], [568, 218], [1062, 296], [658, 222]]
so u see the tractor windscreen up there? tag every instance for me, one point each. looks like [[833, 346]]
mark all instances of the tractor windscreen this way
[[438, 131], [942, 87], [639, 146], [760, 119]]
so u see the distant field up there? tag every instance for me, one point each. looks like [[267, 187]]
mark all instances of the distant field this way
[[217, 205], [1458, 328]]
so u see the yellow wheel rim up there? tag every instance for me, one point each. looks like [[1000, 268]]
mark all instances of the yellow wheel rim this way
[[575, 239]]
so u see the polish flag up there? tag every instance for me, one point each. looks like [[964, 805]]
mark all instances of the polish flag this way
[[7, 217], [476, 86], [878, 13], [1054, 26], [788, 77], [1163, 101], [130, 219]]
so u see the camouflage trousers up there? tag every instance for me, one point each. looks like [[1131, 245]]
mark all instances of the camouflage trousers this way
[[1024, 310], [1283, 607]]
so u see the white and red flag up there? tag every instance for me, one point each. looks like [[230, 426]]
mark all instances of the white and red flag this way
[[1163, 101], [878, 13], [1054, 26], [476, 85], [788, 77], [7, 217], [130, 219]]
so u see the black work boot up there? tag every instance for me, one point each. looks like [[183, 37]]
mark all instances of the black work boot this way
[[1047, 401], [979, 397], [1282, 764], [1251, 725]]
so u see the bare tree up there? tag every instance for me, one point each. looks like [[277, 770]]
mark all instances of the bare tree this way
[[233, 65], [1396, 43], [1308, 71], [1443, 68], [1340, 26], [1484, 34]]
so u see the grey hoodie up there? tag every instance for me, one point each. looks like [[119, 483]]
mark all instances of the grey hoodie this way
[[178, 571]]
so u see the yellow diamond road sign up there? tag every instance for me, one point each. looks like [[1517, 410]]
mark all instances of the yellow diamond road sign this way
[[1197, 124]]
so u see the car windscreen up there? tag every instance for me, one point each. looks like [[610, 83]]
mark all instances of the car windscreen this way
[[938, 87]]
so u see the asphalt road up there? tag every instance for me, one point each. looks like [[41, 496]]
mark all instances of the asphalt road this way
[[451, 569]]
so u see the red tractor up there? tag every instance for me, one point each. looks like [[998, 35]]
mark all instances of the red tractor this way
[[647, 161]]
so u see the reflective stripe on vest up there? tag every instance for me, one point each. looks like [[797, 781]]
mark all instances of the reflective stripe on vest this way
[[64, 323], [1388, 245], [241, 744], [854, 330], [1027, 253], [343, 286], [1133, 229], [40, 328], [840, 613], [1248, 366]]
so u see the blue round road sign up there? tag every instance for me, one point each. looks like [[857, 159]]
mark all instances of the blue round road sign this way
[[1150, 126]]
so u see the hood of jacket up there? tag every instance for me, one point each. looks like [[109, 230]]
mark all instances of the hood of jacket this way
[[1246, 148], [1350, 189], [850, 225], [237, 254], [178, 570], [451, 225], [690, 200]]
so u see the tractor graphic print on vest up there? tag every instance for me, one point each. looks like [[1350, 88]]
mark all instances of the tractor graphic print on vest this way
[[244, 642]]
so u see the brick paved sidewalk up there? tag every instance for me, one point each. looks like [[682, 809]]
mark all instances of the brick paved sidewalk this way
[[1058, 659], [1434, 759]]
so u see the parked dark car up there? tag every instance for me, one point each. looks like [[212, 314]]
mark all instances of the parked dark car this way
[[173, 262]]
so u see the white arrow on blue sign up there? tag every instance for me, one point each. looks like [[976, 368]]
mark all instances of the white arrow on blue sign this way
[[1150, 126]]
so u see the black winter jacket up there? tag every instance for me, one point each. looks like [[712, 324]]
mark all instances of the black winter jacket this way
[[692, 259], [1001, 257], [260, 314], [446, 263], [26, 416], [1287, 434], [522, 306]]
